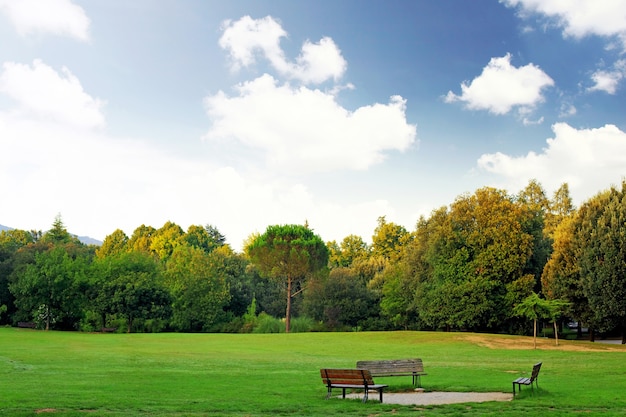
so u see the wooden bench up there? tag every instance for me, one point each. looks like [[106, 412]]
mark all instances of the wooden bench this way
[[108, 329], [350, 378], [26, 325], [528, 381], [398, 367]]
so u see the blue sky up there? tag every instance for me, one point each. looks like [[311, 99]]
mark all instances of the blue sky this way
[[243, 114]]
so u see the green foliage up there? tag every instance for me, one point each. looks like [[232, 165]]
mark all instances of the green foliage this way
[[466, 258], [341, 300], [268, 324], [601, 242], [198, 286], [51, 290], [113, 244], [286, 253], [130, 285]]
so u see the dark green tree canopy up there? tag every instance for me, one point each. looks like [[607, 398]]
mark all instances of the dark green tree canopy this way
[[287, 253]]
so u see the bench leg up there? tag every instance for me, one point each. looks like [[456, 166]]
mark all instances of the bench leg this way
[[365, 395], [343, 393], [380, 394], [330, 391]]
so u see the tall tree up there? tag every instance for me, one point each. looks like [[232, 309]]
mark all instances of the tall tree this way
[[141, 239], [389, 239], [10, 242], [58, 234], [131, 285], [601, 241], [52, 289], [288, 253], [561, 206], [474, 252], [115, 243], [166, 239], [534, 201], [198, 286]]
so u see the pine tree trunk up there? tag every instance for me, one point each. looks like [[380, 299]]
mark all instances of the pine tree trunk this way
[[288, 312], [535, 333]]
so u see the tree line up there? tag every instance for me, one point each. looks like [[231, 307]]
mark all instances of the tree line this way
[[473, 265]]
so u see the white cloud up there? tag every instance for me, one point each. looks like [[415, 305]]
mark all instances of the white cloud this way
[[43, 93], [59, 17], [100, 183], [245, 38], [306, 130], [589, 160], [580, 18], [608, 81], [501, 87]]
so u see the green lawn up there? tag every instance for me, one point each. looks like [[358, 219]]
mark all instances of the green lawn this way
[[81, 374]]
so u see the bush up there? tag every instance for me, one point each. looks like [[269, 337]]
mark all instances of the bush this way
[[268, 324], [302, 324]]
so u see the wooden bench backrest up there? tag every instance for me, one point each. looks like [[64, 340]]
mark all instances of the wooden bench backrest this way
[[397, 365], [536, 369], [346, 376]]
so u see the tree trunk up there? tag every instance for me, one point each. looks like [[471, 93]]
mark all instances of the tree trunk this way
[[288, 312], [535, 333], [556, 334]]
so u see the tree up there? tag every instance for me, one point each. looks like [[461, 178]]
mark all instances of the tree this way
[[166, 239], [601, 250], [58, 234], [130, 284], [340, 300], [473, 252], [287, 253], [561, 207], [534, 307], [561, 277], [198, 286], [51, 290], [141, 239], [115, 243], [388, 239], [10, 242], [536, 206]]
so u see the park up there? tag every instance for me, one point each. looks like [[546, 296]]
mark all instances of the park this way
[[181, 374]]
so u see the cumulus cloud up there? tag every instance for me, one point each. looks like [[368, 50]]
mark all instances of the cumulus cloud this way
[[589, 160], [100, 183], [608, 80], [306, 130], [501, 87], [59, 17], [43, 93], [580, 18], [247, 38]]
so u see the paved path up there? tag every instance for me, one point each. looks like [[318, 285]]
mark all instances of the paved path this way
[[434, 398]]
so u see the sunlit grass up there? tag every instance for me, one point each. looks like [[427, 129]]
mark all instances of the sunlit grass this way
[[278, 374]]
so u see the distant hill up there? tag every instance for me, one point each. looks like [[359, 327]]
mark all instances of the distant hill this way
[[89, 240], [85, 239]]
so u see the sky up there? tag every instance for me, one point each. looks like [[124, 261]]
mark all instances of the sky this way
[[245, 114]]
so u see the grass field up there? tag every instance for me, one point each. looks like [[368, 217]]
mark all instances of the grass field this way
[[82, 374]]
